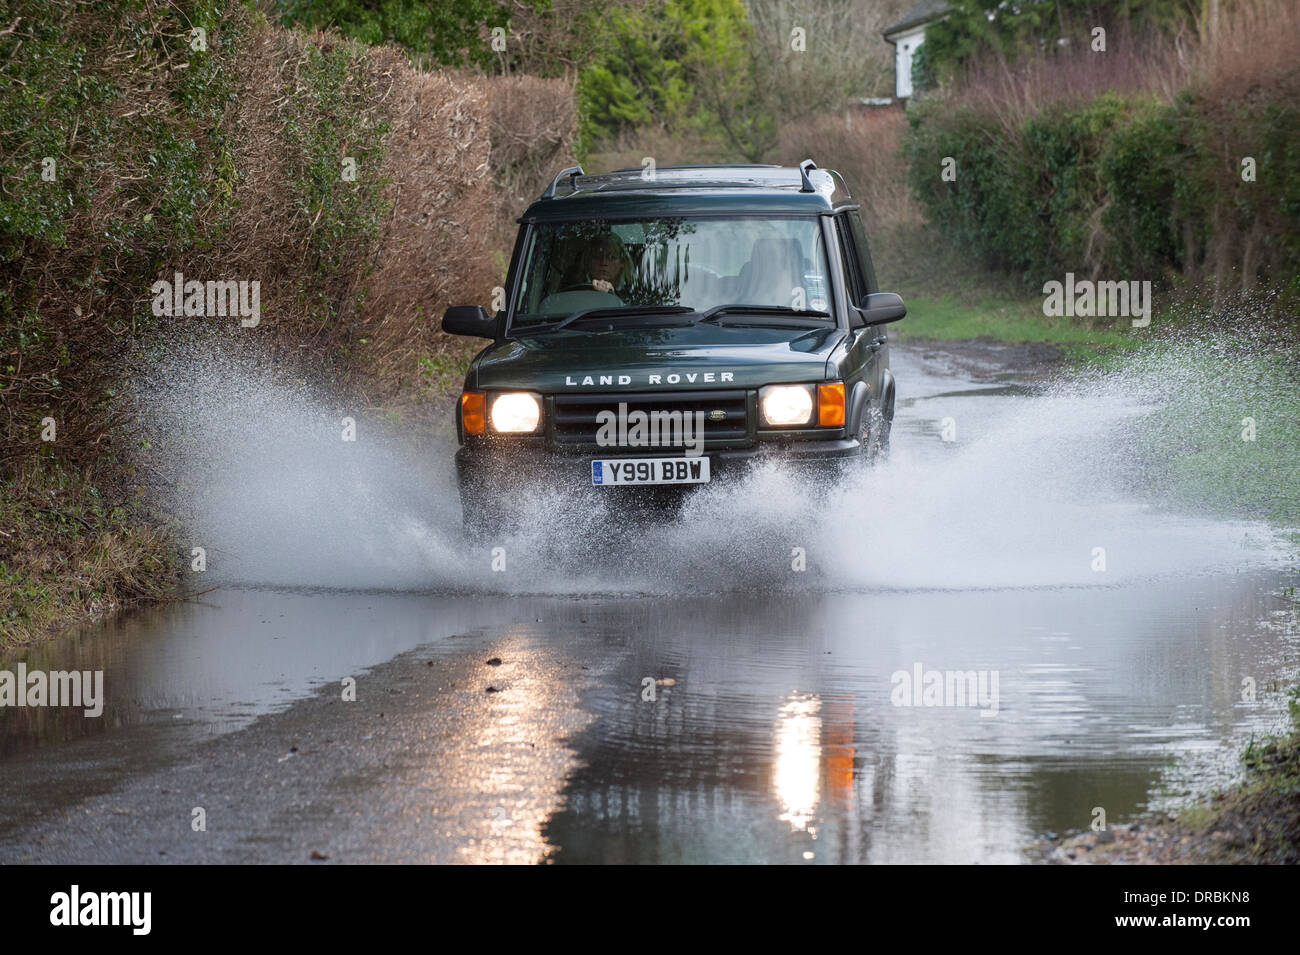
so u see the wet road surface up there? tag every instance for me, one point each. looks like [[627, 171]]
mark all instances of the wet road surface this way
[[707, 722]]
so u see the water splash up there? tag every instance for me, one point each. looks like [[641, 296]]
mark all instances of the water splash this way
[[1037, 493]]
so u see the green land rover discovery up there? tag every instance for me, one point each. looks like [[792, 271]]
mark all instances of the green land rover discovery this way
[[665, 329]]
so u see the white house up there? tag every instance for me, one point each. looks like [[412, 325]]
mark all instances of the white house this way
[[907, 35]]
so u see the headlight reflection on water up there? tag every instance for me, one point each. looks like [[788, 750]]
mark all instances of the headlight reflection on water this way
[[796, 775]]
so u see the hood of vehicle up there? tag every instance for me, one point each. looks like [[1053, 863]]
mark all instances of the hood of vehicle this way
[[677, 358]]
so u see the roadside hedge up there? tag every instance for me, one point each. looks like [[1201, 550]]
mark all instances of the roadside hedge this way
[[1122, 187]]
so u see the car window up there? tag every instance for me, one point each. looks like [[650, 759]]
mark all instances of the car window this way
[[699, 263], [854, 280], [865, 267]]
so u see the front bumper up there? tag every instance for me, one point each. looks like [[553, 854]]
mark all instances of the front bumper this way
[[501, 466]]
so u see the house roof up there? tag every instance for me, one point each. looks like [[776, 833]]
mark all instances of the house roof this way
[[923, 12]]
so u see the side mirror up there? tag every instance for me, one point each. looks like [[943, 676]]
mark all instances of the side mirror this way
[[880, 308], [469, 320]]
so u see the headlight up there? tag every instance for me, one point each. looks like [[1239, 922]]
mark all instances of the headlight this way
[[784, 405], [517, 413]]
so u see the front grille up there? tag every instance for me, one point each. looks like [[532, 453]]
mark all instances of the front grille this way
[[574, 416]]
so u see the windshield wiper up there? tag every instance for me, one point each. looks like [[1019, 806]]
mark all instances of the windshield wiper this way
[[782, 310], [608, 310]]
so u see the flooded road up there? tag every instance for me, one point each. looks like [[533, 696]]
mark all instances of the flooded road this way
[[954, 671]]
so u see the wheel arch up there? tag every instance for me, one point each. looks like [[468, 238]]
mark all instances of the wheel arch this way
[[859, 399]]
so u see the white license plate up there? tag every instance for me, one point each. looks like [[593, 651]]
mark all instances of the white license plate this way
[[622, 471]]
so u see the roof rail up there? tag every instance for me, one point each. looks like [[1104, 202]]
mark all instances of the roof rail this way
[[573, 172], [803, 174], [700, 165]]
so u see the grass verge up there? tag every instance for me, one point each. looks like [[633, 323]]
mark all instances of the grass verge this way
[[984, 316], [67, 554], [950, 298]]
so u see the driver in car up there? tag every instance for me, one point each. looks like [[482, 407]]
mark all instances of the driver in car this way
[[606, 263]]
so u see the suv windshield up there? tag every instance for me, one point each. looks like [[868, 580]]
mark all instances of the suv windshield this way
[[697, 263]]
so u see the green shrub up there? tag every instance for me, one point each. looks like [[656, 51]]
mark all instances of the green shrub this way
[[1122, 186], [987, 207], [1140, 168], [683, 65], [449, 32], [330, 120]]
